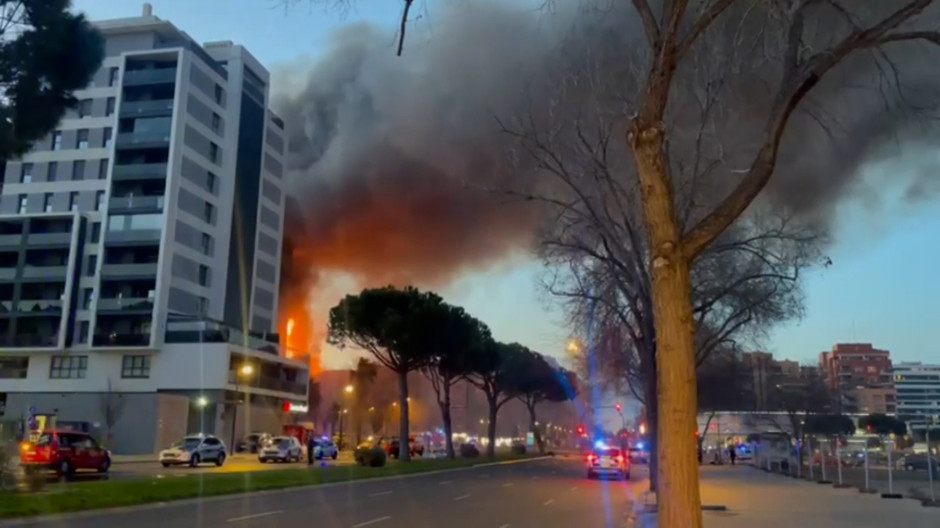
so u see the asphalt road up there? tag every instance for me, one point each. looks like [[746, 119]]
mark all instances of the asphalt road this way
[[544, 493]]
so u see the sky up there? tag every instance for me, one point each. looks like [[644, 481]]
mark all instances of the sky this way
[[882, 288]]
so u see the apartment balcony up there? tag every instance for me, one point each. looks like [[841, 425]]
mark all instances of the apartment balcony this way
[[29, 340], [157, 108], [143, 140], [58, 273], [149, 77], [129, 271], [126, 305], [136, 204], [121, 340], [7, 274], [13, 241], [139, 171], [37, 307], [133, 237], [49, 239]]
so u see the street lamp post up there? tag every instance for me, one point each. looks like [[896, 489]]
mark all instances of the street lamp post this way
[[245, 370]]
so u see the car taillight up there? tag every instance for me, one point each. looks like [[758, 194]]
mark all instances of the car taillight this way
[[590, 458], [620, 459]]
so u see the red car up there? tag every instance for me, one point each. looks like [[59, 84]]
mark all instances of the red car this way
[[64, 452]]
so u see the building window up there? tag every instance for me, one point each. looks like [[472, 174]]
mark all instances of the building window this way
[[218, 95], [103, 169], [207, 213], [109, 109], [216, 122], [92, 264], [57, 140], [206, 243], [210, 181], [203, 275], [22, 207], [96, 232], [83, 330], [99, 201], [53, 171], [203, 306], [135, 367], [14, 367], [213, 152], [84, 108], [47, 202], [78, 170], [68, 367], [112, 76], [106, 140], [73, 201], [81, 141], [26, 173], [88, 295]]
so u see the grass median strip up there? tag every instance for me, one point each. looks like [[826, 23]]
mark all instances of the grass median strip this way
[[78, 496]]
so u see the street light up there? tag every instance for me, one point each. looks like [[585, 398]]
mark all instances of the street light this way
[[349, 389], [246, 370], [202, 401], [573, 346]]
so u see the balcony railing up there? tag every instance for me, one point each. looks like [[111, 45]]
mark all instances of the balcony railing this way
[[149, 76], [161, 107], [39, 306], [149, 139], [126, 304], [11, 240], [7, 273], [29, 340], [133, 235], [269, 383], [45, 272], [35, 239], [139, 171], [129, 270], [185, 328], [116, 340], [136, 203]]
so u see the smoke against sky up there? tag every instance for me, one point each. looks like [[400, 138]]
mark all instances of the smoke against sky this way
[[390, 156]]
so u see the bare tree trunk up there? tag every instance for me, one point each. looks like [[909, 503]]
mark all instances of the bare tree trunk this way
[[448, 423], [404, 453], [491, 428], [535, 429], [652, 423], [679, 505]]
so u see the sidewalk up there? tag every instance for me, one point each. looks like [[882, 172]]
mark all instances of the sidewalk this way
[[754, 498]]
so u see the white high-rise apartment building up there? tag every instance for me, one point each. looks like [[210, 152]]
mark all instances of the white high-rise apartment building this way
[[918, 388], [140, 250]]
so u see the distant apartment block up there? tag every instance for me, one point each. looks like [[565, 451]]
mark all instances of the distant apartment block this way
[[140, 248], [861, 374], [918, 393]]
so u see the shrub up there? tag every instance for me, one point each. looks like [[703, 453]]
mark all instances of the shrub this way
[[359, 455], [374, 457], [517, 449], [469, 451]]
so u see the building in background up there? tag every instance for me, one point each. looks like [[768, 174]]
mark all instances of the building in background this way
[[140, 250], [861, 375], [918, 393], [765, 375]]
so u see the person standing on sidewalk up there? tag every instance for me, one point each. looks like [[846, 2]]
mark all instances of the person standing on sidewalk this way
[[732, 454], [311, 449]]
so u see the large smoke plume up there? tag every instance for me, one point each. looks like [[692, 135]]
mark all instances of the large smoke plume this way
[[391, 157]]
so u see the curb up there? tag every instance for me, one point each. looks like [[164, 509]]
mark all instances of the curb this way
[[80, 514]]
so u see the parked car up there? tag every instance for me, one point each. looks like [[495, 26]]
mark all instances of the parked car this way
[[414, 448], [325, 449], [918, 462], [194, 450], [64, 452], [253, 442], [282, 449]]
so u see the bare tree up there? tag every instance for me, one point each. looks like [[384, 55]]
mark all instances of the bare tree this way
[[112, 403]]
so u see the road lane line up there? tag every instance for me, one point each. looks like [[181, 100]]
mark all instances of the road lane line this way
[[549, 501], [506, 485], [373, 521], [445, 482], [254, 516], [573, 488], [462, 497], [504, 526], [380, 493]]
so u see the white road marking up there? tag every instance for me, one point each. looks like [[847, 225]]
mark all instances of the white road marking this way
[[444, 482], [504, 526], [573, 488], [254, 516], [506, 485], [462, 497], [549, 501], [535, 478], [380, 493], [373, 521]]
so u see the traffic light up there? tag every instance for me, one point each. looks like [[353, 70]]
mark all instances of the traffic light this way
[[617, 406], [286, 406]]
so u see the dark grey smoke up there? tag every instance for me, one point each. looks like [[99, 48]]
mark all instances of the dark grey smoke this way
[[388, 154]]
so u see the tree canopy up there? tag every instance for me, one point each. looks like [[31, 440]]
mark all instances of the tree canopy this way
[[882, 424], [829, 425], [46, 53]]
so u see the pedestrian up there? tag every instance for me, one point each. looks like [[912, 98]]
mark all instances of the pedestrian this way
[[732, 453], [311, 448]]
